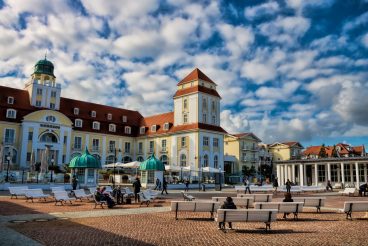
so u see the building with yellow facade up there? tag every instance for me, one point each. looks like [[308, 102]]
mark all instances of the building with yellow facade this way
[[37, 118]]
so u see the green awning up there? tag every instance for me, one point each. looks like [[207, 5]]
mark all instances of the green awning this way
[[152, 163], [85, 161]]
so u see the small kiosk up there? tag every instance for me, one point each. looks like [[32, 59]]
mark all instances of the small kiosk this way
[[85, 168], [151, 169]]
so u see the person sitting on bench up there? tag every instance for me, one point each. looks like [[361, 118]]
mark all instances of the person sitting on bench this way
[[228, 204], [329, 186], [287, 199], [363, 189], [106, 197]]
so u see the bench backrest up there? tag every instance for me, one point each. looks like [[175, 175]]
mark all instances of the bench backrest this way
[[349, 190], [80, 193], [18, 190], [57, 188], [127, 190], [258, 197], [311, 201], [61, 195], [238, 201], [356, 206], [239, 188], [246, 215], [282, 207], [33, 192], [194, 206]]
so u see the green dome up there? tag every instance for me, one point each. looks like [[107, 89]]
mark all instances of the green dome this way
[[44, 67], [152, 163], [85, 161]]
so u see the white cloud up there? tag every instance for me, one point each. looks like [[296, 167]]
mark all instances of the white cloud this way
[[258, 72], [365, 40], [237, 39], [261, 10], [284, 93]]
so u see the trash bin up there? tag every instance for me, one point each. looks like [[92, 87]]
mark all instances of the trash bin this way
[[203, 187]]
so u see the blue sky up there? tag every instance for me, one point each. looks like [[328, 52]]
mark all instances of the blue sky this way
[[288, 70]]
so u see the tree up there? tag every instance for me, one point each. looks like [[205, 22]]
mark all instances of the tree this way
[[248, 171], [322, 152]]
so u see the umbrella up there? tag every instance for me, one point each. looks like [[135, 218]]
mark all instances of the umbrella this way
[[133, 164], [112, 165], [190, 168], [211, 170], [170, 168]]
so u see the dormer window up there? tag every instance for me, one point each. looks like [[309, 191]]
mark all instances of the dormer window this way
[[76, 111], [142, 130], [78, 123], [166, 126], [11, 113], [124, 118], [96, 125], [127, 130], [50, 118], [10, 100], [109, 116], [93, 114], [153, 128], [112, 128]]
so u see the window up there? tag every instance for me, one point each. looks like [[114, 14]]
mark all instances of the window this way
[[140, 147], [127, 147], [65, 139], [128, 130], [53, 93], [166, 126], [10, 100], [125, 119], [204, 118], [11, 113], [77, 143], [127, 159], [213, 119], [78, 123], [96, 125], [48, 138], [321, 173], [30, 136], [185, 104], [76, 111], [151, 146], [142, 130], [95, 145], [205, 161], [183, 160], [39, 91], [215, 142], [213, 106], [52, 105], [163, 144], [153, 128], [204, 104], [110, 159], [111, 146], [163, 159], [205, 141], [185, 118], [334, 175], [140, 159], [29, 156], [112, 128], [9, 136], [109, 116], [50, 118], [93, 114], [38, 103], [215, 161], [183, 142]]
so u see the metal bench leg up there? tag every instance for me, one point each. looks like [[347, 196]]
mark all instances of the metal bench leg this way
[[295, 216], [318, 209], [268, 226]]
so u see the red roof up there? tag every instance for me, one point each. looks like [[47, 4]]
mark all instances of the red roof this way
[[196, 74], [194, 89]]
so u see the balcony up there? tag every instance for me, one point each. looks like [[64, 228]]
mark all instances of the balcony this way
[[163, 150], [9, 141], [95, 149], [248, 148]]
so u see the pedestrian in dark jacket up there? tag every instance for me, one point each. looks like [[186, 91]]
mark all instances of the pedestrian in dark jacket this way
[[275, 184], [288, 186], [74, 182], [228, 204], [164, 186], [186, 182], [137, 188], [287, 199]]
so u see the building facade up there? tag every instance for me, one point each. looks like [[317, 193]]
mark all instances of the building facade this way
[[37, 123], [286, 151]]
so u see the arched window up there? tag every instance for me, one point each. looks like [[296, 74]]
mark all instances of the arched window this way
[[183, 160], [185, 103], [127, 159], [163, 159], [215, 161], [140, 159], [50, 118], [205, 161], [48, 138], [110, 159]]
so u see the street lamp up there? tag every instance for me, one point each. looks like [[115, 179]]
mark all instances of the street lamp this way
[[220, 178], [52, 168], [8, 158], [113, 172]]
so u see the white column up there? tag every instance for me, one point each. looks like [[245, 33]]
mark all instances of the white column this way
[[282, 174], [289, 172], [328, 171], [278, 174], [103, 156], [365, 173], [357, 175], [68, 145], [305, 174], [342, 173], [293, 173], [301, 174], [351, 173], [316, 174]]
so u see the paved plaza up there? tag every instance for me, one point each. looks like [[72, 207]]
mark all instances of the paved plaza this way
[[40, 223]]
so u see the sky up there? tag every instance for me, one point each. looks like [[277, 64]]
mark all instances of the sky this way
[[289, 70]]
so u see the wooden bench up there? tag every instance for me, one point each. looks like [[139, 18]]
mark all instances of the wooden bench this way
[[316, 202], [247, 215], [354, 206], [315, 188], [264, 188], [145, 198], [347, 191], [258, 197], [293, 189], [238, 201], [31, 194], [282, 207], [17, 191], [194, 206]]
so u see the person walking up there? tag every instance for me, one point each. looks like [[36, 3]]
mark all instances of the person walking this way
[[288, 186], [275, 184], [74, 182], [247, 186], [164, 186], [186, 182], [157, 184], [329, 186], [137, 188], [228, 204]]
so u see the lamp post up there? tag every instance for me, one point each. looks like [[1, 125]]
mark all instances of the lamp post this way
[[113, 172], [52, 169], [7, 169], [220, 178]]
